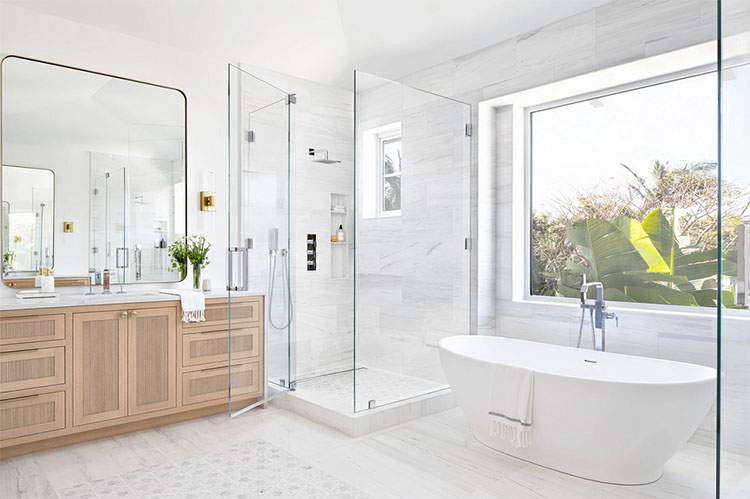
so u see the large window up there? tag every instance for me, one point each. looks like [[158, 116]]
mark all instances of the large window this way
[[624, 189]]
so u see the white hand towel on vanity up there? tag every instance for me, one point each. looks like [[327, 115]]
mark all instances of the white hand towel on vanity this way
[[512, 404], [193, 304]]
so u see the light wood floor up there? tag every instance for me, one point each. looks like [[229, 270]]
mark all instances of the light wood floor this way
[[433, 457]]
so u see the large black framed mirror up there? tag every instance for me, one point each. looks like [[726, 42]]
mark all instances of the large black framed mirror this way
[[94, 174]]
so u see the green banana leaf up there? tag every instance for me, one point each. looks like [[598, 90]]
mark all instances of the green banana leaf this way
[[643, 243], [605, 247], [657, 293], [661, 232]]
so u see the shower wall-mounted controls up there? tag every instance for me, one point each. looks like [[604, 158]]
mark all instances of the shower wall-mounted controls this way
[[312, 252]]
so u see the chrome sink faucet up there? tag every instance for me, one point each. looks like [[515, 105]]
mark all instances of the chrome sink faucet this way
[[597, 312]]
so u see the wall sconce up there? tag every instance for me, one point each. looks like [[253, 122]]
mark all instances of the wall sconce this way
[[208, 195], [67, 226], [208, 201]]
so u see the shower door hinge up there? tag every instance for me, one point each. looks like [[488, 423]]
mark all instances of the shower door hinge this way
[[469, 129], [250, 136], [291, 99], [467, 243]]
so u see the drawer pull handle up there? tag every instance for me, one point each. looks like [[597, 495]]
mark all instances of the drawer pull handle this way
[[213, 368], [21, 398], [27, 350]]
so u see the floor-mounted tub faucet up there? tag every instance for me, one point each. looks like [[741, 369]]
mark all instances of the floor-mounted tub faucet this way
[[597, 312]]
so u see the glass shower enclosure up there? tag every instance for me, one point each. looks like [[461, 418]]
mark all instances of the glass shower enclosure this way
[[733, 333], [259, 231], [412, 260], [409, 262]]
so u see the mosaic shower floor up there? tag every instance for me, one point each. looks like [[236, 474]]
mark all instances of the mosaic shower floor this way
[[249, 470], [336, 391]]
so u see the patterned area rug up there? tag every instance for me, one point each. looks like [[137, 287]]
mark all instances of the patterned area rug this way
[[249, 470]]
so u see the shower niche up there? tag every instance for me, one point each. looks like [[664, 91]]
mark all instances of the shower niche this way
[[339, 249]]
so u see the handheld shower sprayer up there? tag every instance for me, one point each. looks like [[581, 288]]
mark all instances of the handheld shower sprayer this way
[[273, 250], [273, 240]]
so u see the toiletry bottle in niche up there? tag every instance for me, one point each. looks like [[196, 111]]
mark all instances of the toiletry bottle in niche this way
[[340, 234]]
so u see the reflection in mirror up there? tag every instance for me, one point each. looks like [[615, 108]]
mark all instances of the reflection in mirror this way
[[113, 152], [28, 219]]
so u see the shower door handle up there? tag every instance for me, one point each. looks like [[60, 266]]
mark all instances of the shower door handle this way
[[243, 251]]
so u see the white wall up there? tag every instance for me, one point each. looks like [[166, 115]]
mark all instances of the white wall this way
[[610, 35], [204, 81], [323, 119]]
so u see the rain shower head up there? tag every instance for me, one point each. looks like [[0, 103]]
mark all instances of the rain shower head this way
[[326, 161]]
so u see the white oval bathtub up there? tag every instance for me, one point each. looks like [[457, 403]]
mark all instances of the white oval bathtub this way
[[617, 419]]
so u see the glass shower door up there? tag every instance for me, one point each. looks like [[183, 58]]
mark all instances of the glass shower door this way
[[412, 233], [733, 480], [259, 254], [108, 220]]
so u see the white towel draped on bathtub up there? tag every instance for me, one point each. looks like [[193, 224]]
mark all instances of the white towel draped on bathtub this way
[[511, 404]]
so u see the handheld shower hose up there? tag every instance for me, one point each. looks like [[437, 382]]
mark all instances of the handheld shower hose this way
[[288, 308]]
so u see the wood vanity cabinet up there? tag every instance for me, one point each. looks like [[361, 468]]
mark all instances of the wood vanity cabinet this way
[[71, 374]]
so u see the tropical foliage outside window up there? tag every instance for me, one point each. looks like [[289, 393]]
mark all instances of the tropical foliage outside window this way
[[625, 190], [391, 175]]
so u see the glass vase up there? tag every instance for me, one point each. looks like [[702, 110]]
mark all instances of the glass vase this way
[[196, 277]]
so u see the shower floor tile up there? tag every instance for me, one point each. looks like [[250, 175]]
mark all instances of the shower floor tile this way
[[336, 391]]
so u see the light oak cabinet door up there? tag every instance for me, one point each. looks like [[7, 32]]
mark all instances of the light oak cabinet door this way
[[213, 346], [33, 368], [152, 348], [26, 329], [100, 366], [31, 414]]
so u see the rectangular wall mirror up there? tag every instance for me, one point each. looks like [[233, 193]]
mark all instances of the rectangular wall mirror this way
[[93, 175]]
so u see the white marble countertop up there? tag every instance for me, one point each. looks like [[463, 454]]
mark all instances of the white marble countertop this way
[[80, 299]]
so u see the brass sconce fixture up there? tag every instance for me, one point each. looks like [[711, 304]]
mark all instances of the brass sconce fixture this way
[[208, 201], [67, 226], [208, 194]]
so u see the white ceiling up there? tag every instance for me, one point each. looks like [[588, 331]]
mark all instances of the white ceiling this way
[[321, 40]]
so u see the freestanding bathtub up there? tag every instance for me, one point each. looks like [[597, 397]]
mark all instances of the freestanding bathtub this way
[[602, 416]]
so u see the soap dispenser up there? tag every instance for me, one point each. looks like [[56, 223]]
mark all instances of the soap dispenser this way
[[340, 234], [47, 282]]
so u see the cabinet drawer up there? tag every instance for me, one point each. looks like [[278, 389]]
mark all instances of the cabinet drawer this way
[[32, 328], [217, 313], [32, 368], [32, 414], [213, 384], [213, 346]]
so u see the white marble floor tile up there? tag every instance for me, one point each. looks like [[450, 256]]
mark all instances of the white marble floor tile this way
[[273, 453]]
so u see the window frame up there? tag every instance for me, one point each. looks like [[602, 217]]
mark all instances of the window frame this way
[[384, 138], [573, 98]]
